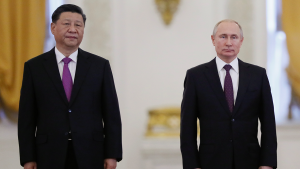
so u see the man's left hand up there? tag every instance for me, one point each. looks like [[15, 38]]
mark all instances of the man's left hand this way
[[110, 163], [265, 167]]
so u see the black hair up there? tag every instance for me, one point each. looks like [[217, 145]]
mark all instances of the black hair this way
[[67, 8]]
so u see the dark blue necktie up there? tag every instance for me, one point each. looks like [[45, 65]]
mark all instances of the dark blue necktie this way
[[228, 88]]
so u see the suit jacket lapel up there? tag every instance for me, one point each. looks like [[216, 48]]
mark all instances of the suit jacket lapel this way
[[244, 79], [51, 67], [214, 80], [82, 68]]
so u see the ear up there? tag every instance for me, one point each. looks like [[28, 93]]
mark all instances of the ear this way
[[53, 26], [213, 39]]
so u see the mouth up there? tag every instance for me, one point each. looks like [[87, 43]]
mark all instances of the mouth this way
[[228, 50], [71, 37]]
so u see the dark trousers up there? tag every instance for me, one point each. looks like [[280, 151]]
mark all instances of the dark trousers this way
[[71, 162]]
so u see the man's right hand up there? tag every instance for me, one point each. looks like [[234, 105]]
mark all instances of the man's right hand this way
[[30, 165]]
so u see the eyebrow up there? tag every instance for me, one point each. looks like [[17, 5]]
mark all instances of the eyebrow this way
[[229, 35], [75, 20]]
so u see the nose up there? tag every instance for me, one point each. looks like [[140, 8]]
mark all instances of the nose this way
[[72, 28], [228, 42]]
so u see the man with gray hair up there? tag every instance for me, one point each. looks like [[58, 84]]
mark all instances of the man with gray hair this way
[[228, 96]]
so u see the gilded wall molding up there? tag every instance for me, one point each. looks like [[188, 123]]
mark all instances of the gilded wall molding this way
[[167, 8]]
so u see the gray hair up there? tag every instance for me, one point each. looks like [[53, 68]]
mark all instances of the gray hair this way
[[227, 20]]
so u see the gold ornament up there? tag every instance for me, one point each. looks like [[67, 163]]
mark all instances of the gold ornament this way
[[167, 8], [164, 122]]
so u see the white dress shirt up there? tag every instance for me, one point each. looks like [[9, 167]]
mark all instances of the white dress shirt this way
[[72, 64], [234, 73]]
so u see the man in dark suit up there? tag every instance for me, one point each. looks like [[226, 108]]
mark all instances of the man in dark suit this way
[[228, 96], [69, 115]]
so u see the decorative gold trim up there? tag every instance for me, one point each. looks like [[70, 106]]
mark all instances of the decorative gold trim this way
[[167, 8], [164, 122]]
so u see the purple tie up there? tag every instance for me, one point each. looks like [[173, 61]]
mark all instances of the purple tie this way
[[67, 78], [228, 88]]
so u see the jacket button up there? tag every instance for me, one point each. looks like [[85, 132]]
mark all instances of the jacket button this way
[[70, 110], [232, 120]]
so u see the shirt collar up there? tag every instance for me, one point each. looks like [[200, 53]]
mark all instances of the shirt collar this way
[[60, 56], [220, 64]]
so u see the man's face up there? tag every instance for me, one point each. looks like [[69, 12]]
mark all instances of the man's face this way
[[227, 40], [68, 30]]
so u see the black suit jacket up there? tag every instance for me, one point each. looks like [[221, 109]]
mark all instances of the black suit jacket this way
[[225, 137], [45, 115]]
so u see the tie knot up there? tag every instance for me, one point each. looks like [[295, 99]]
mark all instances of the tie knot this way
[[227, 67], [67, 60]]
